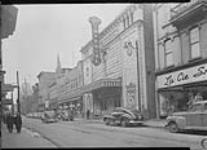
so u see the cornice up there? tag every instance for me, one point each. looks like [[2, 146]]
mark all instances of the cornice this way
[[114, 23]]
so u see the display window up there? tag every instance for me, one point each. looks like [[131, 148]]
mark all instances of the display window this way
[[171, 101]]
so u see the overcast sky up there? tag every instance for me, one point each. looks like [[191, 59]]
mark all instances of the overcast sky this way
[[43, 31]]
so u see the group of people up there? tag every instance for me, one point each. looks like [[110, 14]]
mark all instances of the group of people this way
[[13, 120]]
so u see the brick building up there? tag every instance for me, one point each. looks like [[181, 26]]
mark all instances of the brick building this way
[[180, 54]]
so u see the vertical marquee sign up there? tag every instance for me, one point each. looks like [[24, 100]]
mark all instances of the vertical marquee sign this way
[[96, 57]]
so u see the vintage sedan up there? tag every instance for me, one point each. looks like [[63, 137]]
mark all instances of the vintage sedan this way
[[193, 119], [124, 117], [49, 116]]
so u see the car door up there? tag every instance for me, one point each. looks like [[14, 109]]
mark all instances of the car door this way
[[204, 116], [194, 117]]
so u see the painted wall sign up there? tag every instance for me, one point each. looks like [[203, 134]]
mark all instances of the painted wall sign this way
[[190, 75], [131, 94]]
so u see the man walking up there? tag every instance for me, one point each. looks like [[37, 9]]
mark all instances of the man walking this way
[[9, 122], [18, 122]]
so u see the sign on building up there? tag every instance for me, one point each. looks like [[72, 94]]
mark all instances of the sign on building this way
[[185, 76], [96, 57]]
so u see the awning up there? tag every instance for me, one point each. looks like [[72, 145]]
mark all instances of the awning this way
[[8, 87], [77, 93], [70, 100], [102, 83]]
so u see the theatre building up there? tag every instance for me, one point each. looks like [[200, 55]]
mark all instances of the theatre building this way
[[180, 54], [124, 74]]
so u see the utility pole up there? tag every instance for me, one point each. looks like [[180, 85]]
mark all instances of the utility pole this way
[[18, 95], [138, 79]]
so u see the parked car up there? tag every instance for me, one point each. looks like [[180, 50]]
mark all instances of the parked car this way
[[49, 116], [124, 117], [204, 142], [195, 118], [66, 115]]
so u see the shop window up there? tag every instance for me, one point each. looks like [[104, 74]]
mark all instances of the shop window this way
[[168, 53], [194, 43]]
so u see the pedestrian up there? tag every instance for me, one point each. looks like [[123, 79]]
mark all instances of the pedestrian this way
[[88, 114], [18, 122], [9, 122]]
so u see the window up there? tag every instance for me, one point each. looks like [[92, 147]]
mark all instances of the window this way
[[194, 43], [128, 20], [124, 23], [168, 53], [132, 19]]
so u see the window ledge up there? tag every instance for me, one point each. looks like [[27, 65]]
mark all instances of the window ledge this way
[[170, 66], [195, 59]]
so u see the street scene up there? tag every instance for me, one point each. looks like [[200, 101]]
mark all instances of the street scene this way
[[104, 75]]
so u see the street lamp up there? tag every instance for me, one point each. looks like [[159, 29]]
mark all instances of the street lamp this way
[[128, 45]]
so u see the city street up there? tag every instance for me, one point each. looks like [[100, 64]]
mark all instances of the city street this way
[[110, 63], [82, 133]]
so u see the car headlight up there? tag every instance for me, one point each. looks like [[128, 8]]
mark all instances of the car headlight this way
[[139, 117]]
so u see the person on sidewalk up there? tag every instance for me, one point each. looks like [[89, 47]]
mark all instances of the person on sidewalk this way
[[9, 122], [88, 114], [18, 122]]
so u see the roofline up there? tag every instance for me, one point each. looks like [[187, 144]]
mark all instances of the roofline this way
[[111, 24]]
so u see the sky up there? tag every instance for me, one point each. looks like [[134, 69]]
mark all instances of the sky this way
[[43, 31]]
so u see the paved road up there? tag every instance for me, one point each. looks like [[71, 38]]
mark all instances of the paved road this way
[[87, 134]]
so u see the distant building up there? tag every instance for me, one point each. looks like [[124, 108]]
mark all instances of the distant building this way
[[45, 79], [180, 54]]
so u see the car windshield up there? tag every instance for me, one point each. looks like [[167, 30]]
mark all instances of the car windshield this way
[[135, 111], [196, 107], [50, 113]]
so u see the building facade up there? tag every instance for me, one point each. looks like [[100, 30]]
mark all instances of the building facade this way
[[125, 76], [180, 54], [45, 80], [8, 18]]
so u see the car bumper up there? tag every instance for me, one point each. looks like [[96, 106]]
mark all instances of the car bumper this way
[[135, 122]]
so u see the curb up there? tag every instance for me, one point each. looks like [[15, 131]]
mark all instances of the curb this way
[[43, 136]]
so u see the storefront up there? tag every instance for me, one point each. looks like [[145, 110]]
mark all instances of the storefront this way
[[176, 90], [73, 101], [101, 96]]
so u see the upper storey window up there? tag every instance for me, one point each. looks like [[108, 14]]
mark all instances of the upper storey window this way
[[168, 53], [194, 43]]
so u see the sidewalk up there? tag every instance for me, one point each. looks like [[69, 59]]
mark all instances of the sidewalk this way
[[156, 123], [25, 139]]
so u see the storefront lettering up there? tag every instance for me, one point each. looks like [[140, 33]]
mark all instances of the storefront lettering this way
[[169, 80], [189, 75], [200, 71], [182, 76]]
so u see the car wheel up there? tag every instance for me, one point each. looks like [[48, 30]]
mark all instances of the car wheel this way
[[173, 128], [124, 122], [107, 121]]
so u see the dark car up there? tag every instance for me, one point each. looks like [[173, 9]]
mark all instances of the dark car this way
[[66, 115], [124, 117], [193, 119], [49, 116]]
